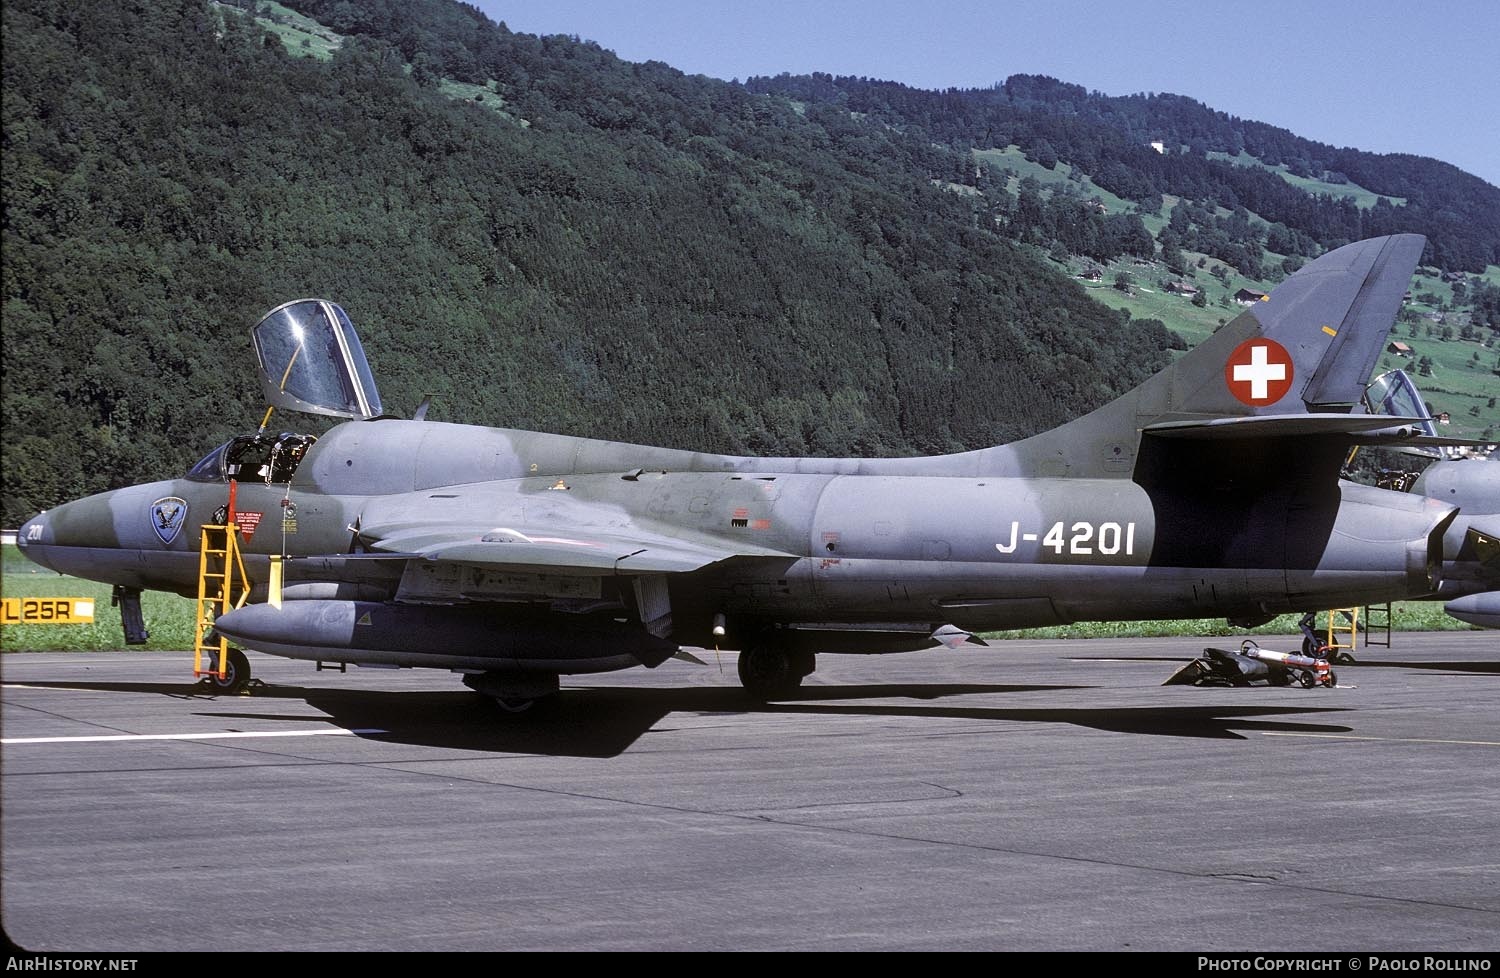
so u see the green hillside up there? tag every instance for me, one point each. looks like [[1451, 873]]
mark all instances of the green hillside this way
[[1353, 191], [648, 257], [542, 235]]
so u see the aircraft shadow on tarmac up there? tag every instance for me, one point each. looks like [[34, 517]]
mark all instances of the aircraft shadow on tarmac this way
[[606, 721], [1478, 668]]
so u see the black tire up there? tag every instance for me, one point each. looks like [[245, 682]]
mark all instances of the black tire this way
[[768, 672], [1306, 679], [1343, 659], [236, 673], [1310, 647]]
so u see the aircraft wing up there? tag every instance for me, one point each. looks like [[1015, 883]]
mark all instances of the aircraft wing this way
[[543, 550]]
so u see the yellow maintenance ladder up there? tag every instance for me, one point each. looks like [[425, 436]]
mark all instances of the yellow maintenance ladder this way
[[222, 586], [1344, 623], [1337, 629]]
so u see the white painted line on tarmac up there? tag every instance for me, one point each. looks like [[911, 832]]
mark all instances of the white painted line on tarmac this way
[[221, 735], [1383, 740]]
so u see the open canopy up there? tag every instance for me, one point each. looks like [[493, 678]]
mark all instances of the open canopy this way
[[310, 360], [1395, 393]]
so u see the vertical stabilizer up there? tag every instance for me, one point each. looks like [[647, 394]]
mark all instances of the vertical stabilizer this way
[[1305, 352], [1310, 346]]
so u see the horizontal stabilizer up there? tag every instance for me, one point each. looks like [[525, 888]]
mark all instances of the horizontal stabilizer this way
[[1376, 427], [1439, 441]]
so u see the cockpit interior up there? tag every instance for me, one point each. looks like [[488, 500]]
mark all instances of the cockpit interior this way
[[265, 457]]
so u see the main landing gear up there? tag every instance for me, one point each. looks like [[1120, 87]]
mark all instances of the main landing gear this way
[[515, 696], [769, 671]]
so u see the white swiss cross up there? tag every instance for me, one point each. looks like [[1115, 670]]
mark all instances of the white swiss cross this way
[[1259, 372]]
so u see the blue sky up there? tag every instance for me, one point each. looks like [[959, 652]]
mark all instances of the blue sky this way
[[1379, 75]]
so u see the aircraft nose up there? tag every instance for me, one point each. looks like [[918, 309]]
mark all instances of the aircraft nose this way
[[63, 538], [32, 533]]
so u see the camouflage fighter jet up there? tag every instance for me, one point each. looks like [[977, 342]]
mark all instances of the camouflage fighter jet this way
[[1470, 583], [514, 557], [1460, 472]]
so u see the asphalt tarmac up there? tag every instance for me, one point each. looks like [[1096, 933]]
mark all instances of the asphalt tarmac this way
[[1036, 795]]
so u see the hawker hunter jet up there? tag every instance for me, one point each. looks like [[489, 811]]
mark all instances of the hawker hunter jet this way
[[514, 557], [1470, 584], [1463, 473]]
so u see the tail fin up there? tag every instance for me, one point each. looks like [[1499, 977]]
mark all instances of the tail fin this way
[[1293, 365]]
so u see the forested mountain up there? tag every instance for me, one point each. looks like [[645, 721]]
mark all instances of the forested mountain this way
[[538, 233], [1110, 138]]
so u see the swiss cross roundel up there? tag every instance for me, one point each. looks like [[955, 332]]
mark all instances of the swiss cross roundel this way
[[1259, 372]]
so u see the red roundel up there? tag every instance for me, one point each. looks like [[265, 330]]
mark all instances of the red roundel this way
[[1259, 372]]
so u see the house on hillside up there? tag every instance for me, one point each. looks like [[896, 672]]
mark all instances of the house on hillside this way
[[1091, 275], [1182, 288], [1249, 297], [1399, 348]]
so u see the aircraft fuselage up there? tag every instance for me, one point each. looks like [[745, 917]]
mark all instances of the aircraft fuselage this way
[[877, 549]]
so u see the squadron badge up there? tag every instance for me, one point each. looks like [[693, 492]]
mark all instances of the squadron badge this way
[[167, 516]]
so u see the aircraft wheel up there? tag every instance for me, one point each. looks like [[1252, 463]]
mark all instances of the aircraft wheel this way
[[514, 696], [236, 673], [769, 672]]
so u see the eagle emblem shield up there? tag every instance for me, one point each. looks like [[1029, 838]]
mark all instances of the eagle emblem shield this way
[[168, 514]]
